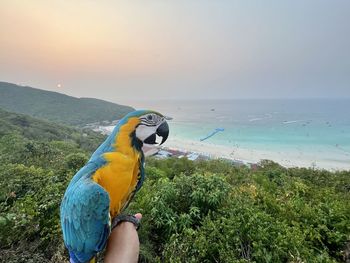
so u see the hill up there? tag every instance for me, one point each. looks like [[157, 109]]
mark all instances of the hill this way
[[58, 107], [29, 128]]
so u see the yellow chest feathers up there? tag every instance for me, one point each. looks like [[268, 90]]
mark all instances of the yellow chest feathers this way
[[120, 175]]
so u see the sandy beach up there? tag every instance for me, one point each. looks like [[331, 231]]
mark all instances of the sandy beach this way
[[286, 158], [333, 159]]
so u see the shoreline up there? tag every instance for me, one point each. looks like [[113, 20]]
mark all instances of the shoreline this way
[[285, 158]]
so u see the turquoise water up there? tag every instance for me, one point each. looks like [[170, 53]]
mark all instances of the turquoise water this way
[[309, 126]]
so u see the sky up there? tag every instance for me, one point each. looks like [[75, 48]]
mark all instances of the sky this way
[[183, 49]]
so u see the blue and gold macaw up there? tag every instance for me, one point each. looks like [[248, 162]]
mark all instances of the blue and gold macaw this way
[[103, 188]]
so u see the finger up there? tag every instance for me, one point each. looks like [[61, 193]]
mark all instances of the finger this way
[[138, 216]]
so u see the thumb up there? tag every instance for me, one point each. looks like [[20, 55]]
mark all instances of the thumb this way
[[138, 216]]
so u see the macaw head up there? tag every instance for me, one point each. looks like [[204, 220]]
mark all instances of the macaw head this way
[[151, 130], [144, 129]]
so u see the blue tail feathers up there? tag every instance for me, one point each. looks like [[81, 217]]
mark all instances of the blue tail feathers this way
[[80, 257]]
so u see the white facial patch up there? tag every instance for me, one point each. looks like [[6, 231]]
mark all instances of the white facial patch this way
[[143, 131], [149, 150]]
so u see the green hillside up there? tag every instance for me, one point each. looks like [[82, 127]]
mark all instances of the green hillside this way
[[29, 128], [58, 107], [202, 211], [37, 158]]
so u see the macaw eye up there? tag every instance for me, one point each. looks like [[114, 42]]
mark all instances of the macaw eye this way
[[149, 117]]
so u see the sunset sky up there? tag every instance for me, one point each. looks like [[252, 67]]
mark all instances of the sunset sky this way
[[183, 49]]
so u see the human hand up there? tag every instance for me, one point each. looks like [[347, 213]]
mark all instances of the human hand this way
[[123, 243]]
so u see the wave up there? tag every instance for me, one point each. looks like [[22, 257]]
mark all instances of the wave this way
[[267, 116], [294, 121], [256, 119]]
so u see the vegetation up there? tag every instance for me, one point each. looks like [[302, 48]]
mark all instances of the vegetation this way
[[25, 129], [206, 211], [210, 211], [37, 160], [58, 107]]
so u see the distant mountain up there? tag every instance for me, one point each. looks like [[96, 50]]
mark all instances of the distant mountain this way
[[58, 107]]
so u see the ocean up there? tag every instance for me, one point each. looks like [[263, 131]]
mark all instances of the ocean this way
[[314, 127]]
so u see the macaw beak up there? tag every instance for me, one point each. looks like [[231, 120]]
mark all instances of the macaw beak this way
[[163, 131]]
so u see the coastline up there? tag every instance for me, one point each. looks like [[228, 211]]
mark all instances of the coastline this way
[[285, 158]]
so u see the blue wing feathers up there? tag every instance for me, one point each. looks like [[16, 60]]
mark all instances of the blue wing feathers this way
[[85, 206], [85, 218]]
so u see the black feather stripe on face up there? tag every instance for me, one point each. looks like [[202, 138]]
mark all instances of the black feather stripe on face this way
[[151, 119], [136, 143], [148, 125]]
